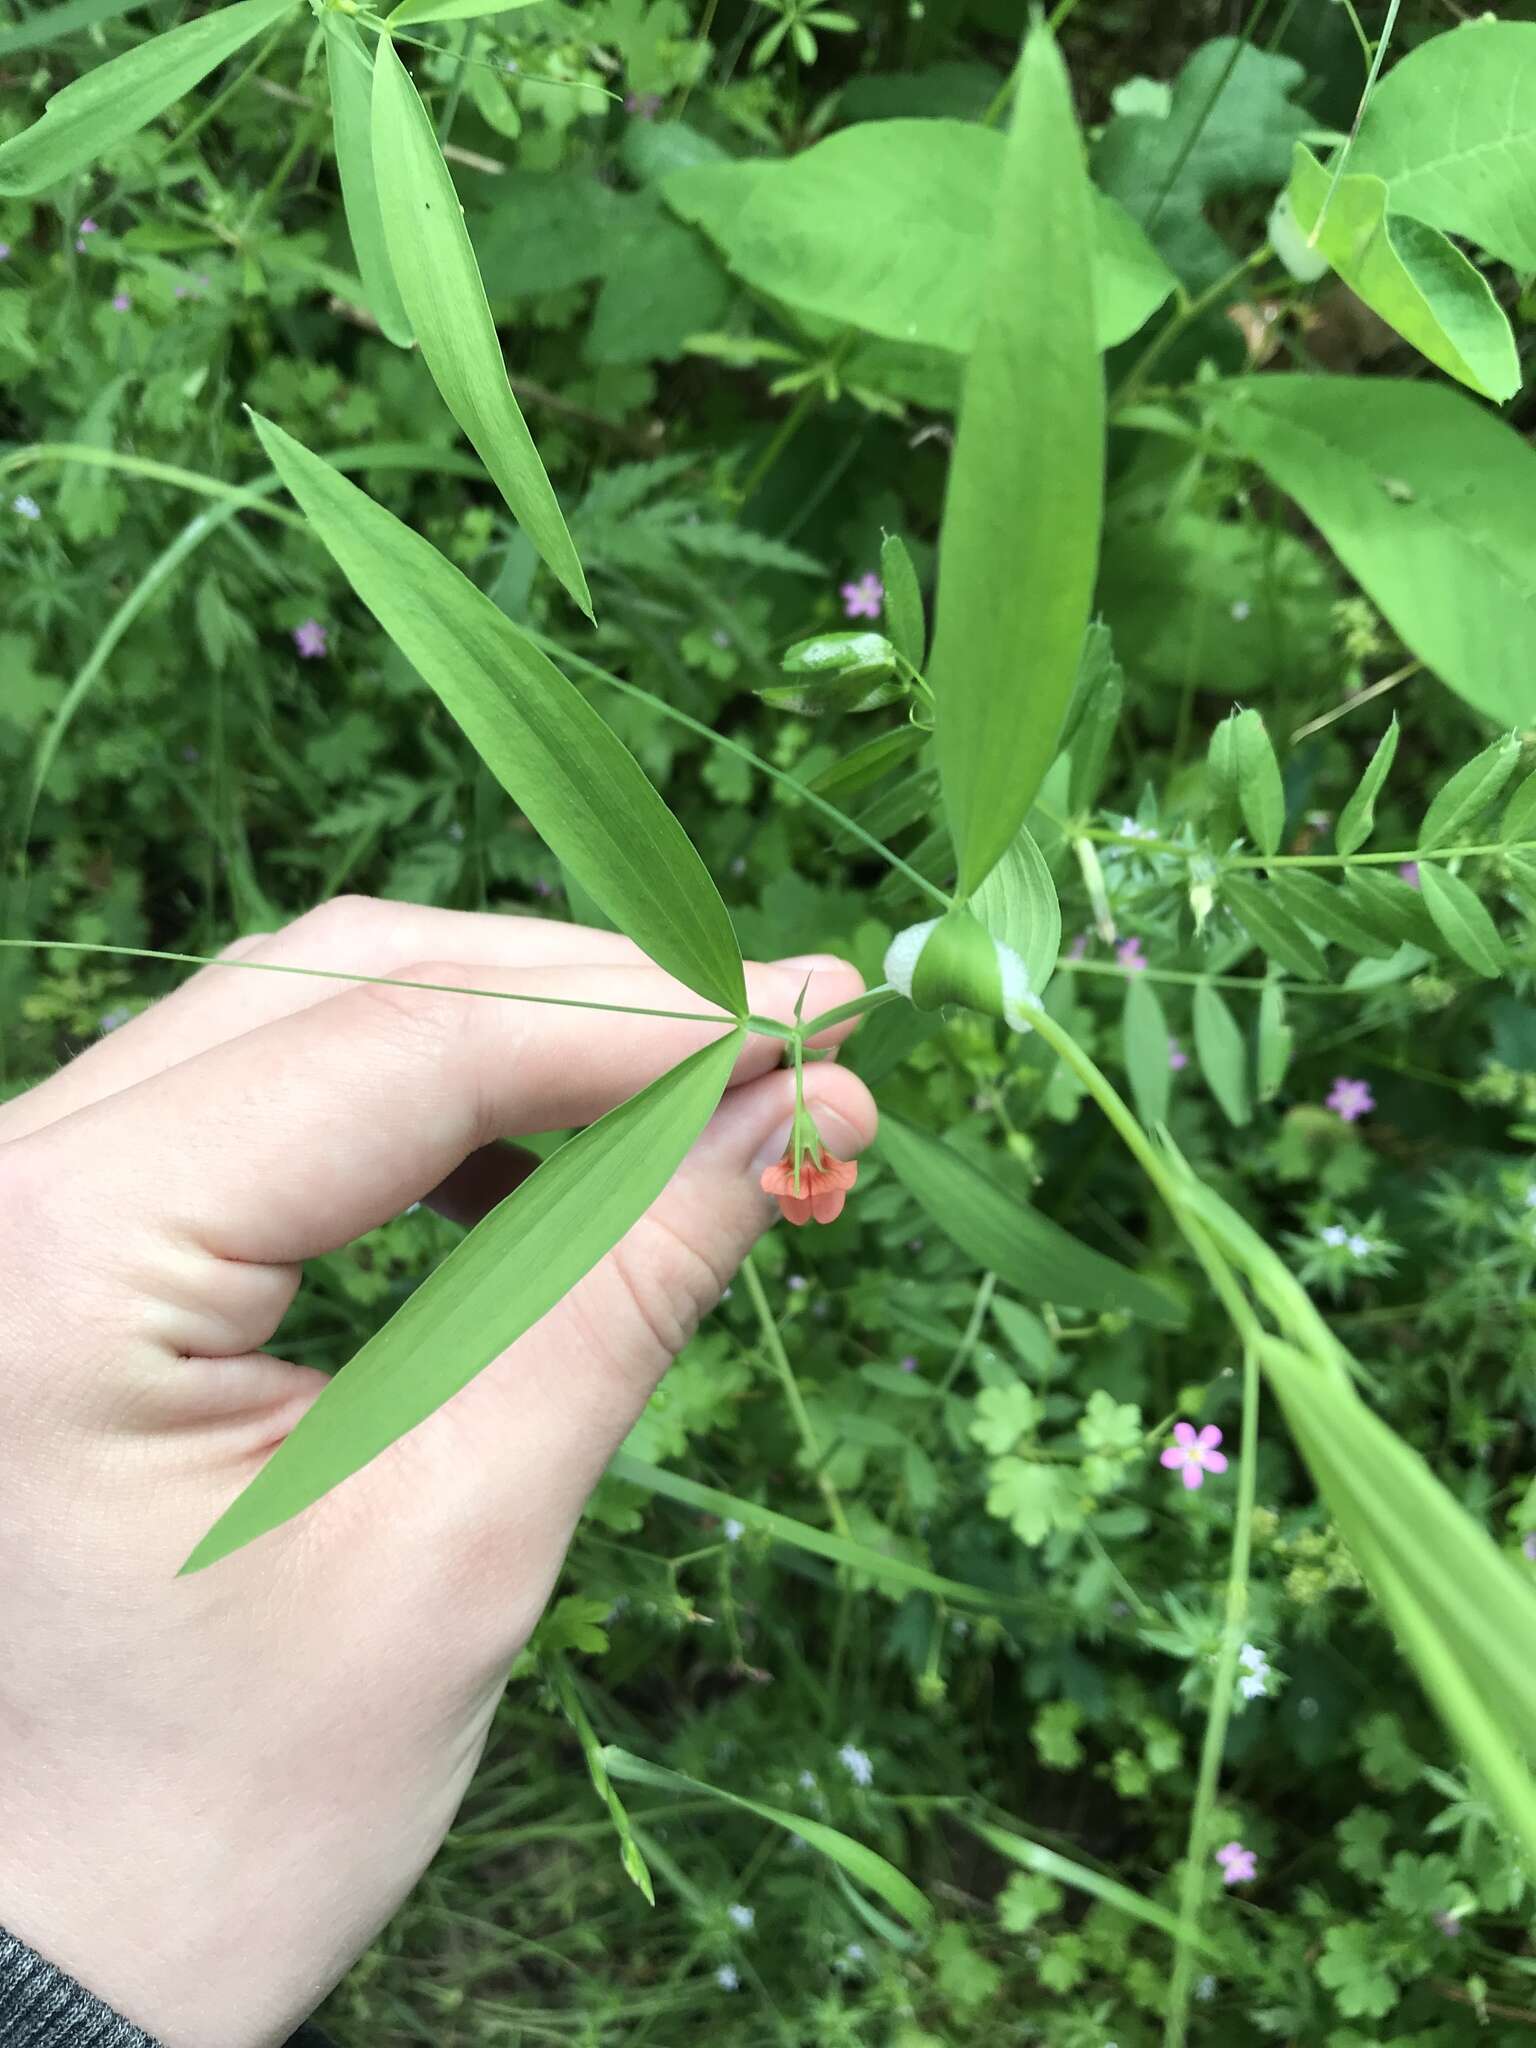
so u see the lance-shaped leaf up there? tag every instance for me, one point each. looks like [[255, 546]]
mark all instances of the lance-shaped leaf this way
[[580, 787], [861, 1864], [1462, 920], [1147, 1049], [451, 10], [351, 77], [94, 113], [1357, 820], [1020, 537], [444, 298], [508, 1272], [1222, 1053], [1463, 798], [1029, 1252]]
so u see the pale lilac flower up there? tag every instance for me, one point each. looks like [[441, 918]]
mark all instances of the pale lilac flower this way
[[909, 1363], [89, 227], [727, 1978], [1130, 956], [645, 105], [1238, 1865], [732, 1530], [5, 250], [857, 1764], [854, 1952], [1409, 872], [740, 1916], [311, 640], [1194, 1453], [863, 599], [1447, 1924], [1334, 1235], [797, 1283], [1350, 1100], [113, 1020], [1178, 1058], [26, 508], [121, 302], [1078, 947], [807, 1781], [1529, 1546]]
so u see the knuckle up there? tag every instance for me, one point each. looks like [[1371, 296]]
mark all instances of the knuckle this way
[[670, 1282], [246, 943], [338, 919]]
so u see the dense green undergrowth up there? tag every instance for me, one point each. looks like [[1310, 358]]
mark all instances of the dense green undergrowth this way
[[737, 285]]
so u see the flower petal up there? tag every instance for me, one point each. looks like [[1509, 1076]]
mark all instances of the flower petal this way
[[1173, 1458], [1210, 1436], [779, 1179], [1194, 1475], [1184, 1433], [827, 1203], [1214, 1461], [797, 1208]]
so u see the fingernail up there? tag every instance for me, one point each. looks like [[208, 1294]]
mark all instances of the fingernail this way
[[837, 1134], [811, 960], [774, 1145]]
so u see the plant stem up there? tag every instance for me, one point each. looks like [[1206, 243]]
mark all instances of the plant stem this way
[[1223, 1679], [1185, 317], [456, 89], [773, 1344], [972, 1331]]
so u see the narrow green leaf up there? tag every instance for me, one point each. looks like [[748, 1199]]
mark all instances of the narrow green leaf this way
[[861, 1864], [1276, 1040], [1393, 908], [1325, 910], [94, 113], [351, 77], [52, 24], [903, 601], [1026, 1250], [1410, 274], [1222, 1053], [1018, 904], [444, 299], [1066, 1870], [883, 1568], [1462, 920], [580, 787], [1260, 792], [1519, 819], [451, 10], [630, 1853], [1469, 792], [493, 1286], [1266, 920], [1092, 738], [1221, 780], [1357, 820], [869, 763], [1145, 1046], [1021, 519]]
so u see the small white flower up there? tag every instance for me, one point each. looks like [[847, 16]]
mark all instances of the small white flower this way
[[1242, 610], [1530, 1196], [807, 1781], [1308, 1709], [1359, 1247], [112, 1020], [732, 1530], [855, 1762], [1206, 1988], [727, 1978], [27, 508], [1251, 1685], [1252, 1658], [1129, 829], [854, 1951], [1334, 1235], [740, 1916]]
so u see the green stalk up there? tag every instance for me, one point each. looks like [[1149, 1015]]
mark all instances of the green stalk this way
[[773, 1344], [1223, 1679]]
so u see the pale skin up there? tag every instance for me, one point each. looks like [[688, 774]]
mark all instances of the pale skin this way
[[218, 1788]]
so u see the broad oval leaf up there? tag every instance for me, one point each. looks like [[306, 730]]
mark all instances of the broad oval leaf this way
[[1462, 920], [577, 783], [351, 77], [1222, 1053], [1382, 469], [1260, 791], [883, 226], [1027, 1251], [1409, 274], [1451, 131], [1020, 535], [94, 113], [444, 298], [861, 1864], [495, 1284]]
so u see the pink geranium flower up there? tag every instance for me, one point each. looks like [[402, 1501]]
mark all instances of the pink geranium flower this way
[[1350, 1100], [1193, 1452], [1131, 957], [863, 599], [310, 638], [1238, 1865]]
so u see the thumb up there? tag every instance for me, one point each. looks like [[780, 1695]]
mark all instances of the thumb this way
[[543, 1421]]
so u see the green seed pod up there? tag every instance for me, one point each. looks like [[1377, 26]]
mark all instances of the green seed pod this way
[[954, 959]]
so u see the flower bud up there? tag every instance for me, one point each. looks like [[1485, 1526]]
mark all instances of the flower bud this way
[[955, 959]]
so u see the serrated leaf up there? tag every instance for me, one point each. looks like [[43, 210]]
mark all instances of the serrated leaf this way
[[493, 1286], [1469, 792], [1145, 1048], [1409, 274], [351, 80], [1268, 922], [1018, 904], [1222, 1053], [1021, 521], [903, 601], [580, 787], [1003, 1415], [1260, 791], [1325, 910], [1032, 1499], [1462, 920], [97, 111], [440, 287], [1357, 820], [1027, 1251]]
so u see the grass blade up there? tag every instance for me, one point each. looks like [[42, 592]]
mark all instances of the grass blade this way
[[351, 77]]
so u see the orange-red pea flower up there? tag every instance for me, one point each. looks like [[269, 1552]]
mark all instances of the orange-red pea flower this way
[[821, 1191]]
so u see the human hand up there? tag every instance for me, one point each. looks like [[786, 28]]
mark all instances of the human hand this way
[[218, 1788]]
